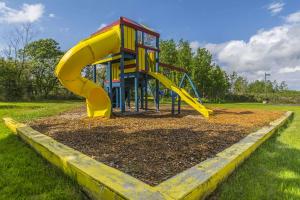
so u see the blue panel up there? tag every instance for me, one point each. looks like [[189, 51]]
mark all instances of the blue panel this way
[[95, 73]]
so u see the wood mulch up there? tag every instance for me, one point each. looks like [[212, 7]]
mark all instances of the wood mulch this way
[[153, 146]]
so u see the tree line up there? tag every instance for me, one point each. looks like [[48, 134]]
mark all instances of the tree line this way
[[208, 77], [217, 85], [27, 72], [27, 68]]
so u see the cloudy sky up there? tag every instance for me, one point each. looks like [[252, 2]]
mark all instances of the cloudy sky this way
[[250, 37]]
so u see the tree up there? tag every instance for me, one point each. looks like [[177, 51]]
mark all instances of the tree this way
[[168, 55], [15, 62], [200, 69], [258, 87], [14, 50], [184, 57], [240, 86], [9, 88], [168, 52], [232, 79], [283, 86], [219, 83], [44, 55]]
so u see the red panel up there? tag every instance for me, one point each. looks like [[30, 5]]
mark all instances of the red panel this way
[[129, 66], [180, 69], [128, 50], [114, 81], [129, 23]]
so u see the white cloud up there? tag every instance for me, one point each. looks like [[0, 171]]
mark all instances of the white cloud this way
[[1, 48], [102, 26], [51, 15], [293, 18], [275, 7], [194, 45], [289, 70], [27, 13], [276, 50]]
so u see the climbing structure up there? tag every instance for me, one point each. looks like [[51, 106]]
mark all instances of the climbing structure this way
[[130, 53]]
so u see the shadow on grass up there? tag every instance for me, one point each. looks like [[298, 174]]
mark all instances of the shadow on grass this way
[[18, 107], [225, 111]]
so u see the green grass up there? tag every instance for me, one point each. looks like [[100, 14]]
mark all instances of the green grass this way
[[272, 172], [23, 173]]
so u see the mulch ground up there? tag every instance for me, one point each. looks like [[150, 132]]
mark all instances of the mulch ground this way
[[153, 146]]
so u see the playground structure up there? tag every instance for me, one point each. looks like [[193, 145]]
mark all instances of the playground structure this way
[[130, 53]]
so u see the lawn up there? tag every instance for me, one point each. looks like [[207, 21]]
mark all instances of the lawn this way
[[272, 172], [23, 173]]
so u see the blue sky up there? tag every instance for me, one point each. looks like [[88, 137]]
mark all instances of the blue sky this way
[[224, 27]]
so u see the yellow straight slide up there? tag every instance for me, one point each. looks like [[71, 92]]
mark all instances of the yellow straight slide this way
[[185, 96], [85, 53]]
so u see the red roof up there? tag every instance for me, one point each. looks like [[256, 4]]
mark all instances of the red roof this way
[[129, 23]]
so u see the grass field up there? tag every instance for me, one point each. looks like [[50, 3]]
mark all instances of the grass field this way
[[24, 174], [272, 172]]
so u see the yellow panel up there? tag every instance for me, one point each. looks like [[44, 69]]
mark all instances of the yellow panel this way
[[115, 71], [152, 61], [129, 38], [129, 70], [141, 59], [125, 37], [132, 34], [133, 39], [130, 62]]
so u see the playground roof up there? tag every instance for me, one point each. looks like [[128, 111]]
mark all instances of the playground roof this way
[[130, 23]]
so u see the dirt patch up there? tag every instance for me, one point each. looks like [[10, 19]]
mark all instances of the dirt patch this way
[[153, 146]]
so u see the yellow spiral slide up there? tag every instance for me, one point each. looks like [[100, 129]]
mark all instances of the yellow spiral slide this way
[[85, 53]]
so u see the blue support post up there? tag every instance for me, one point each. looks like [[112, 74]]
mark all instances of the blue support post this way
[[191, 83], [136, 91], [146, 92], [146, 79], [173, 102], [95, 73], [117, 97], [128, 97], [122, 82], [136, 77], [182, 80], [142, 94], [157, 70], [110, 81], [179, 104]]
